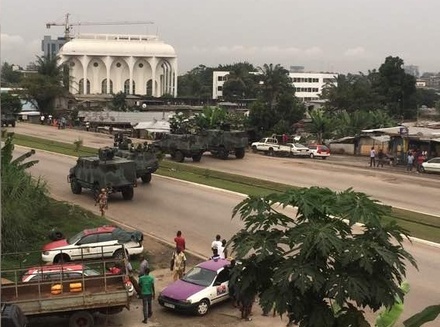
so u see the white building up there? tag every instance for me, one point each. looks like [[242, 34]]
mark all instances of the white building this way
[[308, 86], [108, 64]]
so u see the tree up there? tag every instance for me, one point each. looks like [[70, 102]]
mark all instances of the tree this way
[[42, 88], [240, 84], [10, 103], [24, 199], [321, 125], [275, 81], [119, 101], [196, 83], [319, 267], [10, 77]]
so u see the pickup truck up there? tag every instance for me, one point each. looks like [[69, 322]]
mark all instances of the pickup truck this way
[[77, 297], [271, 147]]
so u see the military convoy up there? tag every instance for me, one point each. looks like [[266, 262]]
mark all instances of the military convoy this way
[[143, 155], [221, 143], [181, 146], [107, 171]]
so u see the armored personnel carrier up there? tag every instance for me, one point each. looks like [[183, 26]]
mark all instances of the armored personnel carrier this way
[[143, 155], [221, 143], [181, 146], [116, 174]]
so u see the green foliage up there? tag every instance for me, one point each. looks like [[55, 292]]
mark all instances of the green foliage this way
[[119, 101], [196, 83], [9, 76], [42, 88], [389, 316], [305, 264], [321, 125], [428, 314], [10, 103], [23, 199]]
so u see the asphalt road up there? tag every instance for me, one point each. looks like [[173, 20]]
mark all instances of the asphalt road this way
[[166, 205]]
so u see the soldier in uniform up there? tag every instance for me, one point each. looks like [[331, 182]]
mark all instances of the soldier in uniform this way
[[102, 201]]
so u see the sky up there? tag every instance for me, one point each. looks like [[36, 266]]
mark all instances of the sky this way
[[342, 36]]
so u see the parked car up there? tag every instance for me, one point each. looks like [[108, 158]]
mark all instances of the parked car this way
[[318, 151], [57, 272], [431, 166], [202, 286], [298, 150], [104, 241]]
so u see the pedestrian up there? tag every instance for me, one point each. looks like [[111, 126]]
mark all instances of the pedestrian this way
[[233, 289], [246, 301], [42, 118], [143, 265], [420, 160], [217, 243], [372, 157], [178, 264], [180, 241], [222, 251], [215, 255], [409, 162], [102, 201], [148, 293], [380, 158]]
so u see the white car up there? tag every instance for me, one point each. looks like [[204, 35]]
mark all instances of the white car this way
[[431, 166], [318, 151], [104, 241], [298, 150], [202, 286]]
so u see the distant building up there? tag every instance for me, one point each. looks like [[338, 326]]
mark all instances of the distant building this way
[[108, 64], [308, 86], [51, 47], [412, 70]]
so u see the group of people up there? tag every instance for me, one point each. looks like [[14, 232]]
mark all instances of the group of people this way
[[218, 247], [415, 158], [380, 155]]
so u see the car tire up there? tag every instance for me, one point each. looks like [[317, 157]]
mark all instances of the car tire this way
[[61, 258], [119, 254], [312, 156], [127, 193], [202, 307], [81, 319], [178, 156], [270, 152], [75, 186], [146, 178], [422, 169], [254, 149]]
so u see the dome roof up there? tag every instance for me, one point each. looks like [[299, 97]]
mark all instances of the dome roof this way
[[117, 45]]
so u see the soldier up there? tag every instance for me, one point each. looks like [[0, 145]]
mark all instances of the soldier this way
[[102, 201]]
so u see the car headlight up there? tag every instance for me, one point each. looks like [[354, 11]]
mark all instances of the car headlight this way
[[187, 301], [46, 253]]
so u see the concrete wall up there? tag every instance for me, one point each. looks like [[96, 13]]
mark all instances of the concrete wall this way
[[342, 148]]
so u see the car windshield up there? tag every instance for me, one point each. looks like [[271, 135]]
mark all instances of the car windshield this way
[[200, 276], [75, 238], [299, 145], [324, 148]]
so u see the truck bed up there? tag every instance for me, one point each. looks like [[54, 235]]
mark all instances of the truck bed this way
[[98, 292]]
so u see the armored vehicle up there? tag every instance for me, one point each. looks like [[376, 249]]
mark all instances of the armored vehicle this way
[[103, 171], [181, 146], [8, 119], [221, 143], [143, 155]]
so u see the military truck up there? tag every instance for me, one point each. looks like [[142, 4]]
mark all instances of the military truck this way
[[8, 119], [116, 174], [143, 155], [221, 143], [181, 146]]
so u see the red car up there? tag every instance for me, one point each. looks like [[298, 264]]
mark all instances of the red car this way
[[318, 151]]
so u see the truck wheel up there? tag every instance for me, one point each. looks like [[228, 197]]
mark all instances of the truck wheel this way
[[197, 157], [146, 178], [270, 152], [118, 255], [75, 186], [203, 307], [13, 124], [81, 319], [60, 258], [239, 153], [223, 154], [178, 156], [127, 193], [254, 149]]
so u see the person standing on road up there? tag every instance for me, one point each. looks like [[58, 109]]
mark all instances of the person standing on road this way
[[146, 283], [380, 157], [179, 264], [180, 241], [372, 157], [216, 244], [102, 201], [222, 251], [410, 162], [143, 265]]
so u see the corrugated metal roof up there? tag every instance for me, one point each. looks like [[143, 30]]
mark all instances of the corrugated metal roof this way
[[124, 117], [412, 131]]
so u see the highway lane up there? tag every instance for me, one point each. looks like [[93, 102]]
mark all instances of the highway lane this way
[[167, 205], [417, 192]]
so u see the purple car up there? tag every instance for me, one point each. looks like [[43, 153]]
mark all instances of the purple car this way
[[202, 286]]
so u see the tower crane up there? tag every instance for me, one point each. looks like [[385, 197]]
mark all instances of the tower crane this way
[[68, 25]]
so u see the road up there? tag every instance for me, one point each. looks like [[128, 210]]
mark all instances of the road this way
[[416, 192], [166, 205]]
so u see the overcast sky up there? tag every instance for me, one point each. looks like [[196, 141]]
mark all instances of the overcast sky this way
[[338, 35]]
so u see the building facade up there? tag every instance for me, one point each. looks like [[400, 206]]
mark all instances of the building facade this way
[[109, 64], [308, 86], [51, 47]]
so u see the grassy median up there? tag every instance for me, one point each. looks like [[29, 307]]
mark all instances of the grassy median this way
[[419, 225]]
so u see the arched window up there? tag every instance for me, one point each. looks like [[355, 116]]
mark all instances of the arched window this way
[[81, 86], [149, 88], [127, 87], [104, 86]]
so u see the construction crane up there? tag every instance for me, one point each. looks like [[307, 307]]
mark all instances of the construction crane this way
[[68, 25]]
